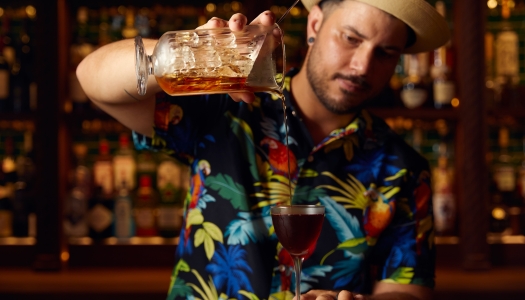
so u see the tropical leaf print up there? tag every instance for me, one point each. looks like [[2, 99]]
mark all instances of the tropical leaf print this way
[[250, 296], [401, 275], [352, 192], [307, 194], [247, 228], [282, 295], [276, 190], [245, 136], [179, 289], [372, 165], [346, 226], [207, 291], [229, 270], [229, 190], [206, 235], [346, 271]]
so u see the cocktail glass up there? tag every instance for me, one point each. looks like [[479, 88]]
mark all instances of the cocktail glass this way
[[298, 228], [211, 61]]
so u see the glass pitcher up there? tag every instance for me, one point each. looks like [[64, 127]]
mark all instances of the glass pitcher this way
[[213, 61]]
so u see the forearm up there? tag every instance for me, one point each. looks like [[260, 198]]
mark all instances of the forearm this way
[[108, 74]]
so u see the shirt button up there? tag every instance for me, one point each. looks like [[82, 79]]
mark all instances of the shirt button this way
[[310, 158], [294, 113]]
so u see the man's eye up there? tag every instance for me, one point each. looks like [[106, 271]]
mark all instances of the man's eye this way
[[352, 40]]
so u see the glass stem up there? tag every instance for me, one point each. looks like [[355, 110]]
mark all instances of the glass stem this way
[[297, 263]]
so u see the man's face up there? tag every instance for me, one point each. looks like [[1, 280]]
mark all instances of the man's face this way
[[355, 52]]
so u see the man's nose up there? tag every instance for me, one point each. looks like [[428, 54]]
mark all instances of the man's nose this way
[[361, 61]]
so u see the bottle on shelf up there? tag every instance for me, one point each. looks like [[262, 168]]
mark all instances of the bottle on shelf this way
[[145, 208], [79, 49], [123, 226], [129, 31], [7, 184], [76, 206], [441, 71], [103, 170], [24, 216], [414, 93], [172, 189], [124, 164], [21, 71], [504, 186], [100, 215], [5, 72], [443, 197], [507, 60], [521, 189]]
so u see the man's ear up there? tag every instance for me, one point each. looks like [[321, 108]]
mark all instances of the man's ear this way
[[315, 19]]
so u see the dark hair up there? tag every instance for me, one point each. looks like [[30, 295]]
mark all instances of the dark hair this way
[[411, 34]]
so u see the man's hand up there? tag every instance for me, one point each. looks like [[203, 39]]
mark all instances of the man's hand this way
[[237, 23], [330, 295]]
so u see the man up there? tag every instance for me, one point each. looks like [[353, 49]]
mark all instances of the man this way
[[377, 238]]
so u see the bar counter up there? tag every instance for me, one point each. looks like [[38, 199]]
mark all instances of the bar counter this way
[[144, 283]]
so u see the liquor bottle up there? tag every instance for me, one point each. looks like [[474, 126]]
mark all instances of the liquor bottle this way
[[443, 198], [103, 170], [145, 208], [170, 176], [504, 185], [124, 226], [443, 85], [6, 208], [124, 164], [6, 56], [504, 170], [489, 70], [415, 92], [104, 36], [147, 165], [100, 215], [24, 217], [7, 184], [129, 31], [396, 82], [521, 189], [4, 79], [76, 206], [79, 49], [117, 21], [507, 60], [21, 70]]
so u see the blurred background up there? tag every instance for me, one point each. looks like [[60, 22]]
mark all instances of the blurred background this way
[[83, 215]]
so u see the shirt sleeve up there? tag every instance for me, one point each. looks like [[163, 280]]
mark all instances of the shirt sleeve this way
[[181, 122], [405, 251]]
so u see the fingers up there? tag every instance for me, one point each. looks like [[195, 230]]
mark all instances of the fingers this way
[[345, 295], [237, 22], [320, 295], [214, 23], [266, 18], [245, 97]]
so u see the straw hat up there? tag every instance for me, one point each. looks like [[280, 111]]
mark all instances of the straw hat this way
[[430, 27]]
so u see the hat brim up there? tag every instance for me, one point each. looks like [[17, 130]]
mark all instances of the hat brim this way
[[430, 27]]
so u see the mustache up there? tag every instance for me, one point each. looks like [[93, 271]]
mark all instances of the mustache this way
[[357, 80]]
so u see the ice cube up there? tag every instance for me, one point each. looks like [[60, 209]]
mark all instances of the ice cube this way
[[181, 59]]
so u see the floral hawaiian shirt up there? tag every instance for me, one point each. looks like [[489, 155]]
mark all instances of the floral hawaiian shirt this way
[[376, 190]]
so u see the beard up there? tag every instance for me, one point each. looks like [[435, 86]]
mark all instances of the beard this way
[[319, 83]]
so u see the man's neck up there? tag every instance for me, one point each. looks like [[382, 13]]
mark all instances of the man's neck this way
[[319, 120]]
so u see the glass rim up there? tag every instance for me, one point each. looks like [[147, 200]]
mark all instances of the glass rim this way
[[308, 209]]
